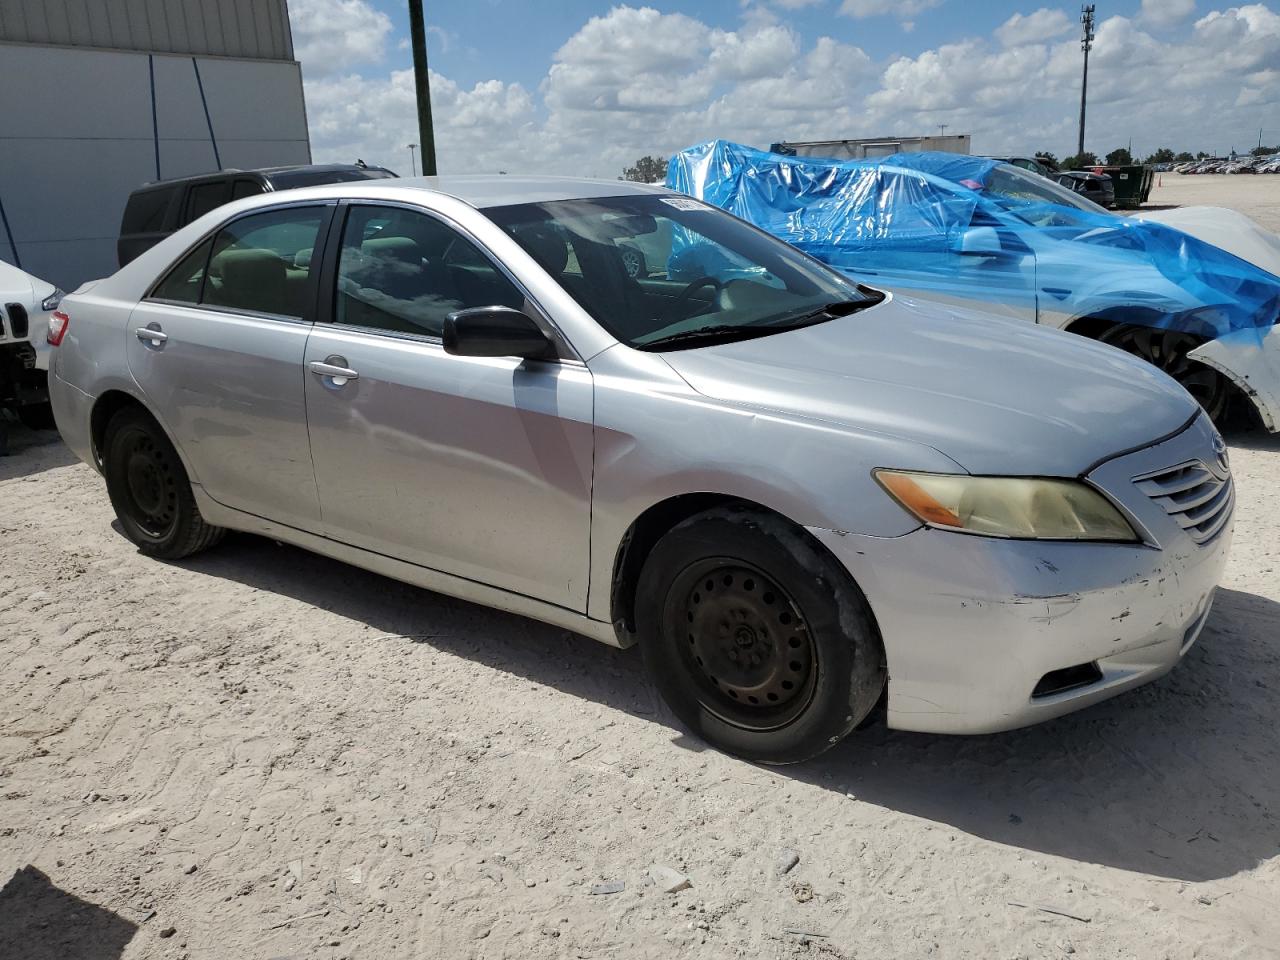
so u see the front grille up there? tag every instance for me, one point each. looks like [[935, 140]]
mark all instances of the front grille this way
[[1198, 497]]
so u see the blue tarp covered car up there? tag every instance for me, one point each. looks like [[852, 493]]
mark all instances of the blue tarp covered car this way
[[985, 234]]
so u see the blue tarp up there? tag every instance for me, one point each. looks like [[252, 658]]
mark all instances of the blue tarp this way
[[967, 228]]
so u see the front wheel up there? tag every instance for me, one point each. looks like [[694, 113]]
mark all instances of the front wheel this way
[[150, 490], [757, 640], [1168, 349]]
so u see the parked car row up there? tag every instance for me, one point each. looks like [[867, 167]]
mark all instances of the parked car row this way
[[1265, 164]]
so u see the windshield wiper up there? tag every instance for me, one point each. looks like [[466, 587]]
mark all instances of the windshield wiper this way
[[723, 333]]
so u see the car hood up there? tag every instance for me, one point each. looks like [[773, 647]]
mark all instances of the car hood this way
[[997, 397], [15, 285], [1229, 229]]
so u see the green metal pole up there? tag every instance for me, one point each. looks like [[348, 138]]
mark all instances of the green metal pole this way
[[426, 133]]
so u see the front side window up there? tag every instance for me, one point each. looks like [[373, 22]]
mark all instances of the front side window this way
[[262, 263], [404, 272], [660, 270]]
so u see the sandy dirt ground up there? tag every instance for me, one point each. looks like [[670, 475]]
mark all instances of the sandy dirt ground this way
[[260, 753]]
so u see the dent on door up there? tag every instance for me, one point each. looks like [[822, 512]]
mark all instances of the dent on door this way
[[478, 467]]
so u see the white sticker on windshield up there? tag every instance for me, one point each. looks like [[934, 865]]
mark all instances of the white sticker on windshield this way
[[682, 203]]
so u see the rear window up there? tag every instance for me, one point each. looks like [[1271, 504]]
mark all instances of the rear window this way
[[204, 197], [145, 212]]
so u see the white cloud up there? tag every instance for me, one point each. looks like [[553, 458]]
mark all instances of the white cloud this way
[[1022, 29], [330, 36], [1166, 13], [635, 81]]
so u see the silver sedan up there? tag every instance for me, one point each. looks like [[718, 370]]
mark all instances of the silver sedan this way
[[803, 497]]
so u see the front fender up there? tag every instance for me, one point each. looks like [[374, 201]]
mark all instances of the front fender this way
[[1251, 360]]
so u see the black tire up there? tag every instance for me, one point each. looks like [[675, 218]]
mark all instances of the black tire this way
[[757, 640], [150, 490], [37, 416], [633, 262], [1168, 349]]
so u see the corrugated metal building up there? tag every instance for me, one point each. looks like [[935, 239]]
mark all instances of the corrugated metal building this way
[[99, 96], [871, 147]]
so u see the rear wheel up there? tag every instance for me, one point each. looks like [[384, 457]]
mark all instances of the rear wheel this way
[[1168, 349], [758, 640], [150, 490]]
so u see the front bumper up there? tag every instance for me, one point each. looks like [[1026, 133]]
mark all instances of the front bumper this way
[[971, 625], [1251, 360]]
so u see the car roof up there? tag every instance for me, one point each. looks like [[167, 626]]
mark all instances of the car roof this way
[[228, 172], [492, 190]]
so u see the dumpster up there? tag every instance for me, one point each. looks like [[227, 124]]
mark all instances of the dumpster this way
[[1132, 183]]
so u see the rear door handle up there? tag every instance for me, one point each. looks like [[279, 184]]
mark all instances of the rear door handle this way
[[334, 369], [153, 335]]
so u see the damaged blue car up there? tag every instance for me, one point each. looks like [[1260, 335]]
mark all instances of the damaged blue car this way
[[983, 234]]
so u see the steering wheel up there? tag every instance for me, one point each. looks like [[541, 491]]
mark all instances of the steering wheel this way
[[683, 296]]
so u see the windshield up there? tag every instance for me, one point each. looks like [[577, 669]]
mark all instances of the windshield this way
[[658, 272], [1025, 195]]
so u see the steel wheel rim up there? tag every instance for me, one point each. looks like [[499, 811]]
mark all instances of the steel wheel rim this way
[[150, 487], [744, 642]]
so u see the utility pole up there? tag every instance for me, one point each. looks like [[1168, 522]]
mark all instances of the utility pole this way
[[1086, 44], [422, 83], [942, 129], [413, 167]]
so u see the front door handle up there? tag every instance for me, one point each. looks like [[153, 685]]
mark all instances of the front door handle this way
[[335, 369], [152, 334]]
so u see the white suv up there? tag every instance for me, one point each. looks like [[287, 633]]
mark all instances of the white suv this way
[[25, 305]]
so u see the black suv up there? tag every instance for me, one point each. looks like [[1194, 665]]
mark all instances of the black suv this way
[[156, 210]]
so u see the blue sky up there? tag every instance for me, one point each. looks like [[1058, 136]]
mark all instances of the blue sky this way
[[583, 87]]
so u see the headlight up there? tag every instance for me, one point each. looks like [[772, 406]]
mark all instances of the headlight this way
[[52, 301], [1021, 507]]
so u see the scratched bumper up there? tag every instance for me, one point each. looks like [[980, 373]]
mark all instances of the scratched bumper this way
[[971, 624]]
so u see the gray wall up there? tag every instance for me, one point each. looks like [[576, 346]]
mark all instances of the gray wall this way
[[78, 136], [257, 29]]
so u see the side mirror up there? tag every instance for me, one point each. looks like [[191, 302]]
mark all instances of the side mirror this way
[[495, 332], [980, 242]]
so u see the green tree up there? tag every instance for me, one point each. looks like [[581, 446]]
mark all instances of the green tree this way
[[1264, 151], [647, 170], [1163, 155], [1119, 157], [1047, 158], [1080, 161], [1201, 155], [1184, 157]]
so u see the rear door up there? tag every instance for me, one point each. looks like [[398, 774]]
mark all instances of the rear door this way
[[478, 467], [218, 348]]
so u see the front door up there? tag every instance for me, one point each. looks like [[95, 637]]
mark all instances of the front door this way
[[218, 346], [476, 467]]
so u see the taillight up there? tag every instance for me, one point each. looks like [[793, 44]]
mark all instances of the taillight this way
[[57, 327]]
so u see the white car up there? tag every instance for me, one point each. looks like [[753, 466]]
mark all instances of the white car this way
[[25, 305]]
